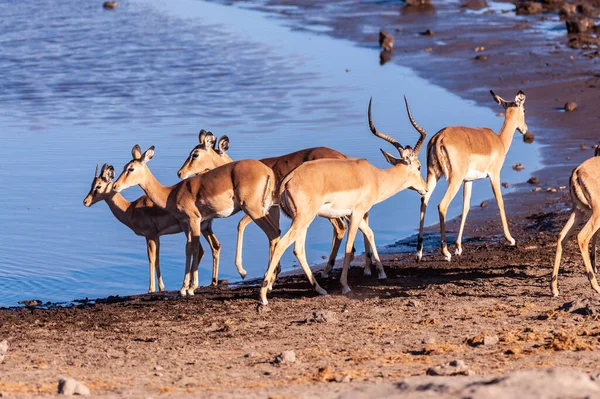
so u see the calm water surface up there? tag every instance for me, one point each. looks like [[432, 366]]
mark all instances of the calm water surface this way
[[82, 85]]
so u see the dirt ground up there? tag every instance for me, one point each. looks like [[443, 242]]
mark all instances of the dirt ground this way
[[422, 316]]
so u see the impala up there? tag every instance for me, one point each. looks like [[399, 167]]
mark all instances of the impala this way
[[335, 188], [145, 219], [463, 154], [585, 193], [209, 154], [244, 185]]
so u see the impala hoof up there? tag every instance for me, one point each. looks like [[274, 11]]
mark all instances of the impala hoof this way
[[321, 291], [458, 251], [243, 274], [151, 291], [190, 292], [512, 242], [346, 290], [367, 271], [554, 293], [382, 275], [262, 302], [161, 288], [324, 274], [419, 256], [183, 292]]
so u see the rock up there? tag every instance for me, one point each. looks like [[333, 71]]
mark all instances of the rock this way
[[343, 378], [251, 355], [536, 189], [529, 8], [570, 106], [483, 204], [475, 341], [285, 357], [579, 307], [583, 147], [505, 185], [455, 367], [489, 340], [567, 10], [518, 167], [479, 49], [481, 57], [428, 32], [413, 303], [158, 368], [579, 24], [322, 316], [473, 4], [588, 10], [500, 114], [428, 340], [528, 137], [386, 41], [551, 190], [3, 350], [533, 180], [417, 3], [69, 386], [30, 302], [110, 5]]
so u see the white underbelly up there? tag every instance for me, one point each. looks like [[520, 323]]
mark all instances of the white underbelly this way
[[327, 211], [224, 213], [473, 174]]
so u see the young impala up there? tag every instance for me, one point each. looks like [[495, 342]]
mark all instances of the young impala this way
[[335, 188], [463, 154], [244, 185], [585, 193], [145, 219], [208, 155]]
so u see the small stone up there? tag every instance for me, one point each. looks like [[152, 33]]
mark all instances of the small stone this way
[[158, 368], [69, 386], [322, 316], [528, 137], [579, 24], [500, 114], [3, 349], [481, 57], [536, 189], [386, 41], [551, 190], [518, 167], [483, 204], [568, 158], [533, 180], [505, 185], [343, 378], [583, 147], [490, 340], [413, 303], [474, 4], [110, 5], [455, 367], [252, 355], [30, 302], [475, 341], [479, 49], [562, 187], [323, 257], [570, 106], [567, 10], [285, 357], [428, 340], [428, 32], [428, 50], [528, 8]]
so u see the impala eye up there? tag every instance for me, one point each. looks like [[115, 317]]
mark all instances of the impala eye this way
[[195, 155], [130, 170]]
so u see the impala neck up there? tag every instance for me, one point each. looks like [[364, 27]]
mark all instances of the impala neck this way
[[507, 132], [119, 207], [157, 193], [391, 181]]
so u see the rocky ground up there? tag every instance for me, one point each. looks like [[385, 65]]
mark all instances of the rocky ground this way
[[486, 316]]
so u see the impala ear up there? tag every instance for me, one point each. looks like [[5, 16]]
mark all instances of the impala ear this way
[[223, 144], [201, 136], [108, 173], [146, 156], [391, 159], [520, 99], [499, 99], [209, 140], [136, 152]]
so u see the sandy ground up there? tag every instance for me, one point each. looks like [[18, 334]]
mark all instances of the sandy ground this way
[[422, 316]]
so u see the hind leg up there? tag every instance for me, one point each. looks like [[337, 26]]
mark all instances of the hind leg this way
[[299, 251], [370, 237], [453, 187], [339, 229], [566, 232], [368, 251], [466, 206], [431, 183], [197, 255], [584, 237], [245, 221], [593, 252], [355, 219], [215, 247]]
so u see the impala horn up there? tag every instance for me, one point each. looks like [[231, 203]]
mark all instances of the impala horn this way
[[96, 172], [383, 136], [419, 129]]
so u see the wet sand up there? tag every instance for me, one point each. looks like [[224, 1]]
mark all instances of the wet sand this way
[[423, 315]]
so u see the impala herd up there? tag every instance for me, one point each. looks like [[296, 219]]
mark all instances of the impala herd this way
[[324, 182]]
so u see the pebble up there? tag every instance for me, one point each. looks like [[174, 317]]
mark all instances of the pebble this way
[[428, 32], [481, 57], [322, 316], [30, 302], [158, 368], [490, 340], [479, 49], [252, 354], [455, 367], [3, 350], [483, 204], [551, 190], [528, 137], [386, 41], [110, 5], [570, 106], [285, 357], [579, 24], [428, 340], [533, 180], [536, 189], [505, 185], [528, 8], [344, 378], [413, 303], [69, 386], [518, 167], [583, 147]]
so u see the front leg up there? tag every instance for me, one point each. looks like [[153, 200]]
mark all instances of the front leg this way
[[197, 253], [495, 181], [215, 247], [353, 223], [188, 257], [151, 249]]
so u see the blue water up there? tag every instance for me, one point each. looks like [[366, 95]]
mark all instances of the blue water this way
[[82, 85]]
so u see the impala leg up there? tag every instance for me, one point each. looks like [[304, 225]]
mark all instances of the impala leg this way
[[368, 252], [188, 260], [593, 252], [584, 237], [274, 216], [565, 233], [197, 254], [161, 285], [465, 211], [495, 180], [353, 224], [151, 247], [246, 220], [431, 183], [299, 251], [370, 237], [339, 229], [453, 187], [215, 247]]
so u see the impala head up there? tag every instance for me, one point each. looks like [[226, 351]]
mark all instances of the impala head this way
[[409, 157], [205, 156], [514, 110], [101, 185], [135, 170]]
